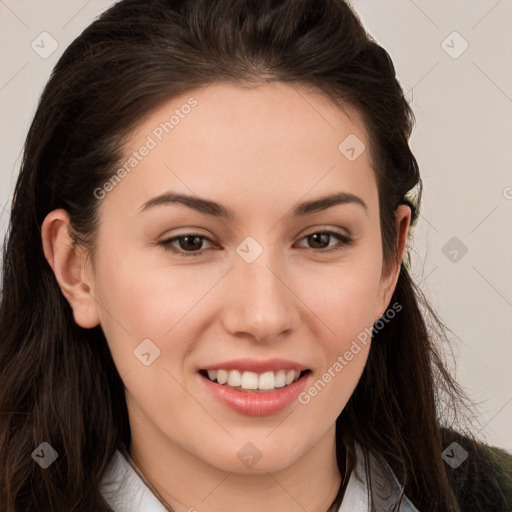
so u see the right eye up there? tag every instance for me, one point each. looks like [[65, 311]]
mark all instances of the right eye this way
[[189, 243]]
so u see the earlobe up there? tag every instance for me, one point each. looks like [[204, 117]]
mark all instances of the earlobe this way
[[390, 277], [70, 267]]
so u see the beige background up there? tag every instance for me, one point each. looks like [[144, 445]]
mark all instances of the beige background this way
[[462, 140]]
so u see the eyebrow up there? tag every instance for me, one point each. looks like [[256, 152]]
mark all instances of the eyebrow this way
[[217, 210]]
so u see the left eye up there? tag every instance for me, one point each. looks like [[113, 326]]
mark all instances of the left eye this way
[[322, 237], [191, 243]]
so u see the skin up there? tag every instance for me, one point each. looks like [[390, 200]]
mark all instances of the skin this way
[[258, 151]]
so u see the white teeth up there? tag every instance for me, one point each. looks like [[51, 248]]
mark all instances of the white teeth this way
[[267, 381], [222, 376], [290, 377], [253, 381], [280, 379], [249, 380], [234, 378]]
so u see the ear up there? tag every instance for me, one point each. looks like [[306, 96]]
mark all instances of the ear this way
[[391, 272], [71, 267]]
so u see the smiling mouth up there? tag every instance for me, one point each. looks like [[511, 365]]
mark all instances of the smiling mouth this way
[[253, 382]]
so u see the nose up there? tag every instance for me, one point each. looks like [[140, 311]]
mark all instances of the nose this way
[[260, 303]]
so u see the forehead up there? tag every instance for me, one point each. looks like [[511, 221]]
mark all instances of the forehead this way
[[269, 141]]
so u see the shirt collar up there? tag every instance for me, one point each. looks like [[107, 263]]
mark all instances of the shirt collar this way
[[386, 488], [125, 490]]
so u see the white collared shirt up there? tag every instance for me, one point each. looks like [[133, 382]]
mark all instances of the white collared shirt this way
[[125, 490]]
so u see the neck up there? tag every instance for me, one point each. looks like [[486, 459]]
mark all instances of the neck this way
[[188, 484]]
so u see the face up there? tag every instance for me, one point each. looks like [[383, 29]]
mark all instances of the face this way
[[268, 288]]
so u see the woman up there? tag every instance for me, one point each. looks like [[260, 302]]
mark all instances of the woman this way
[[206, 304]]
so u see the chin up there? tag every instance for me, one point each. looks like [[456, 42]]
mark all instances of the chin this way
[[260, 456]]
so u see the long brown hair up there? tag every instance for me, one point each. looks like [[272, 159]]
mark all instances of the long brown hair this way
[[58, 382]]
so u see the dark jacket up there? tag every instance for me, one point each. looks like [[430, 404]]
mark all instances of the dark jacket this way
[[483, 482]]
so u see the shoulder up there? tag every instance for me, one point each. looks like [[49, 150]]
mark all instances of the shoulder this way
[[480, 475]]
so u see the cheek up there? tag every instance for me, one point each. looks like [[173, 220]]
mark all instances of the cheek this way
[[344, 297], [140, 296], [346, 307], [330, 390], [158, 302]]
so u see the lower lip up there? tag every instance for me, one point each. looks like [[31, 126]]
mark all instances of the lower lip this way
[[256, 403]]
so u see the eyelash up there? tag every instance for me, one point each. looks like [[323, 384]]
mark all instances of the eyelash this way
[[345, 242]]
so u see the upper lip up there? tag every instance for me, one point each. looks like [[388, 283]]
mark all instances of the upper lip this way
[[257, 366]]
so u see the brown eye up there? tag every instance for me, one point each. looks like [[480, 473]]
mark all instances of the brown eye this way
[[189, 244], [320, 240]]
